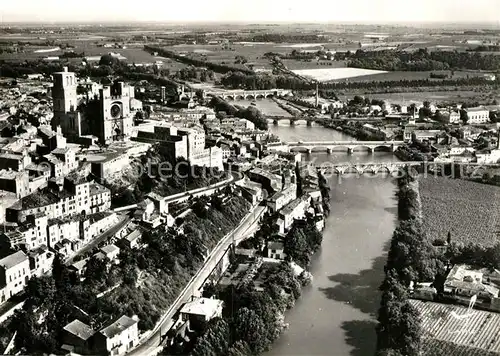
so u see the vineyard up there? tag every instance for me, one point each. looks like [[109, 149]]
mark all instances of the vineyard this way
[[469, 210]]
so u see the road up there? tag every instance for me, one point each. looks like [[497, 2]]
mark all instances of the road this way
[[103, 237], [150, 345]]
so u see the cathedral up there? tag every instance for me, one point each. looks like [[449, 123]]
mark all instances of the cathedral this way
[[112, 120]]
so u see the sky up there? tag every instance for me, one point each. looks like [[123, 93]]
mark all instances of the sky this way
[[252, 11]]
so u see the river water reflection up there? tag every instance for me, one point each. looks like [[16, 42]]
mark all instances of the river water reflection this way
[[336, 315]]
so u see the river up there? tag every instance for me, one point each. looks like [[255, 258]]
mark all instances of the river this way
[[336, 314]]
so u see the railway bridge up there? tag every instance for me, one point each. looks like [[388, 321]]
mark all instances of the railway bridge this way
[[330, 146], [248, 94]]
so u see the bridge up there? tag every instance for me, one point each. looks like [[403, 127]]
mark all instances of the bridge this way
[[248, 94], [294, 121], [363, 168], [330, 146]]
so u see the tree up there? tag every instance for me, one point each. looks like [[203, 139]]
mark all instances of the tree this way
[[215, 341], [249, 327], [239, 348], [40, 290]]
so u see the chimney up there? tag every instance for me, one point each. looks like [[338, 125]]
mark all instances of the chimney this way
[[65, 69], [317, 95]]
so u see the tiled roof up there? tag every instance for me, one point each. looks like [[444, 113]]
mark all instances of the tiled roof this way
[[118, 326], [13, 259]]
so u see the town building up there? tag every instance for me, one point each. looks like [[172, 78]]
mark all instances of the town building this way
[[118, 107], [187, 143], [200, 311], [478, 115], [30, 234], [279, 199], [59, 229], [15, 182], [57, 201], [41, 260], [65, 103], [110, 252], [62, 161], [14, 275], [276, 250], [292, 211], [117, 338], [77, 337], [95, 224], [463, 282]]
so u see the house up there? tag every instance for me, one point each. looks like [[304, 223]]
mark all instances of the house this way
[[276, 250], [110, 252], [200, 311], [131, 240], [463, 281], [117, 338], [280, 199], [41, 260], [479, 115], [77, 337], [294, 210], [78, 268], [14, 275]]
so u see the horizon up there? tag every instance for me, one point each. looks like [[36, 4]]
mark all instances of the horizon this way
[[256, 11]]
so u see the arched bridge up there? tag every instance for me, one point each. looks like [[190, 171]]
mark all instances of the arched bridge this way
[[293, 121], [248, 94], [329, 146], [362, 168]]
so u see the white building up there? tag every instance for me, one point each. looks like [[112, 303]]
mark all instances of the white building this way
[[202, 310], [14, 275], [477, 115], [117, 338], [96, 224], [276, 250], [282, 198], [60, 229]]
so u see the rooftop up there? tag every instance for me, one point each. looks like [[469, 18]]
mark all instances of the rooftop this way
[[477, 109], [202, 306], [110, 249], [96, 188], [79, 329], [118, 326], [13, 259], [275, 245]]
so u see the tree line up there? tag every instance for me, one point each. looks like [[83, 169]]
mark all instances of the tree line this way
[[423, 60], [216, 67], [240, 80]]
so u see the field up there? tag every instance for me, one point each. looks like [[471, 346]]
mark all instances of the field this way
[[448, 331], [329, 74], [395, 76], [403, 98], [267, 107], [469, 210], [293, 64]]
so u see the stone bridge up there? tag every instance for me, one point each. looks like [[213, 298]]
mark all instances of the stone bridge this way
[[248, 94], [330, 146], [362, 168], [293, 121]]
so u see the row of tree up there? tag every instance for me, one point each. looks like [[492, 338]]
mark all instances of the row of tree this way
[[239, 80], [251, 113], [423, 60], [409, 259], [216, 67]]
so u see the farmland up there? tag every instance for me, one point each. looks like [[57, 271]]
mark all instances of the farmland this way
[[329, 74], [267, 107], [405, 98], [448, 331], [468, 209]]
